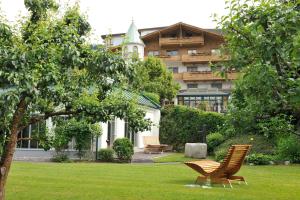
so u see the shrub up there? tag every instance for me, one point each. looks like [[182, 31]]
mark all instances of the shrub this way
[[220, 154], [181, 124], [259, 159], [106, 155], [289, 149], [213, 140], [60, 158], [124, 149], [260, 144]]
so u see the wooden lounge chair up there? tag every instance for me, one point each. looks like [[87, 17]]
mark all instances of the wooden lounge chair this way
[[222, 173], [152, 145]]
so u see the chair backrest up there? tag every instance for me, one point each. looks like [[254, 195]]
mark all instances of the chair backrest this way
[[234, 159], [154, 140]]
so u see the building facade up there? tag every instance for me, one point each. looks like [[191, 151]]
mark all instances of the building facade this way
[[188, 52]]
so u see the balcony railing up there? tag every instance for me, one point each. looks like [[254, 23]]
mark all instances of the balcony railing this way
[[198, 58], [204, 76], [194, 40]]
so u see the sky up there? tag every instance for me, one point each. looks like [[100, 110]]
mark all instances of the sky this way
[[115, 16]]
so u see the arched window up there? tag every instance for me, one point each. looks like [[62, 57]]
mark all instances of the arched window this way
[[135, 49], [125, 51]]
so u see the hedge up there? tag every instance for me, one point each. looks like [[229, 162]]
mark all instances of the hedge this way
[[181, 124]]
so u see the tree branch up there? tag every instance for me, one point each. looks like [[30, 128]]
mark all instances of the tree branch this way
[[39, 118]]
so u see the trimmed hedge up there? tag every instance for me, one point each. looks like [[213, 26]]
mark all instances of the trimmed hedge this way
[[106, 155], [181, 124], [123, 149]]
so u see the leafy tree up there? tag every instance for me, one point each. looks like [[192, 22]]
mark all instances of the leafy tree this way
[[263, 40], [48, 68], [153, 77], [82, 131]]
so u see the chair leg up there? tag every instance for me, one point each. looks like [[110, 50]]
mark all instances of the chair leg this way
[[240, 178], [201, 179], [223, 181]]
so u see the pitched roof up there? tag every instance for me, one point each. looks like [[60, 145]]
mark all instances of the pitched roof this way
[[141, 99], [132, 35], [187, 26], [214, 31]]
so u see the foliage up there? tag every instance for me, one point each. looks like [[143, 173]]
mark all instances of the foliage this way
[[80, 130], [259, 159], [213, 140], [263, 43], [260, 144], [181, 124], [153, 77], [61, 157], [49, 68], [220, 154], [106, 155], [276, 127], [289, 148], [124, 149]]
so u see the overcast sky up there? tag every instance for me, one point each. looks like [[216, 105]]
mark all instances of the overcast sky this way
[[115, 15]]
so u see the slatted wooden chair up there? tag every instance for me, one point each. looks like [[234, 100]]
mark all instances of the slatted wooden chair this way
[[152, 145], [222, 173]]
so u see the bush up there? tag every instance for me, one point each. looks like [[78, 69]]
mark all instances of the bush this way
[[213, 140], [124, 149], [220, 154], [106, 155], [63, 158], [289, 149], [260, 144], [181, 124], [259, 159]]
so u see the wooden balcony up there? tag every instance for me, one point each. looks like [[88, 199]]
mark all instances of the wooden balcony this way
[[185, 41], [204, 76], [170, 58], [198, 58], [178, 76]]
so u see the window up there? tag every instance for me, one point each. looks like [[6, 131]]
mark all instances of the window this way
[[192, 52], [192, 85], [174, 69], [216, 85], [26, 137], [192, 69], [153, 53], [135, 49], [172, 52], [215, 103], [125, 51]]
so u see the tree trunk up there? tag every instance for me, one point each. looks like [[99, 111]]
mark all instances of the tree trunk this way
[[10, 146]]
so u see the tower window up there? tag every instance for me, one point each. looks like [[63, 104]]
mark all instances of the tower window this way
[[135, 49]]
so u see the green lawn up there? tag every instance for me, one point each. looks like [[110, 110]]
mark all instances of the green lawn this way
[[76, 181], [174, 157]]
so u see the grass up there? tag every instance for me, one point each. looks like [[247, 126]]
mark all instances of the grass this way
[[84, 181], [174, 157]]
